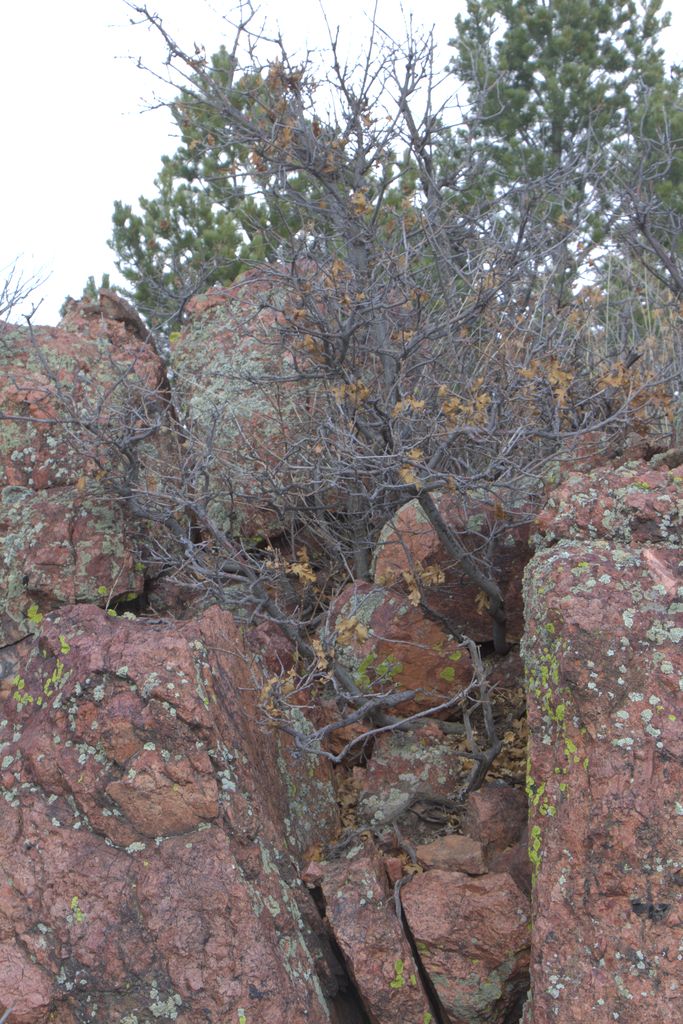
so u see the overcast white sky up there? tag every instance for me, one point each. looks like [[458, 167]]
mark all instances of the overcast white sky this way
[[74, 138]]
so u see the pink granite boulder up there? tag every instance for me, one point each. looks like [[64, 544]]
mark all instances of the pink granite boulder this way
[[235, 364], [472, 936], [390, 645], [604, 665], [453, 853], [151, 832], [64, 538], [408, 773], [360, 910], [409, 553], [495, 815]]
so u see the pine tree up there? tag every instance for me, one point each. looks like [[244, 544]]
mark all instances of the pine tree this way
[[204, 224], [553, 79], [554, 88]]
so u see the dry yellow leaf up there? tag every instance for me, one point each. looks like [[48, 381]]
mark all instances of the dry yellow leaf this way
[[407, 475], [359, 202], [302, 569], [414, 595], [321, 658], [616, 378], [415, 404], [432, 576], [350, 629], [452, 407], [346, 628]]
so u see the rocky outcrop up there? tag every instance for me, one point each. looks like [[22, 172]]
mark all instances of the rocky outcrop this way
[[463, 954], [360, 912], [149, 834], [472, 936], [154, 828], [64, 536], [155, 825], [232, 363], [152, 837], [410, 556], [389, 644], [605, 670]]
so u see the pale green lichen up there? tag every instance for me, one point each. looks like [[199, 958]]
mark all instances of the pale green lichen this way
[[76, 914], [398, 980], [535, 846]]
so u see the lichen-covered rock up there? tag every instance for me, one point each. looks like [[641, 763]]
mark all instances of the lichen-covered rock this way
[[63, 538], [409, 770], [360, 911], [229, 361], [149, 832], [472, 937], [409, 554], [630, 504], [604, 657], [52, 375], [61, 546], [389, 644]]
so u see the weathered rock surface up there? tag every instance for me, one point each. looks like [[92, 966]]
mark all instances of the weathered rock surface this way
[[390, 645], [228, 360], [407, 771], [409, 553], [152, 833], [453, 853], [360, 911], [515, 861], [605, 669], [630, 504], [148, 832], [472, 935], [62, 546], [495, 816], [63, 538]]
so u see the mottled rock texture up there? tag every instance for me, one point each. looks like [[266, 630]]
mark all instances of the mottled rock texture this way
[[360, 911], [453, 853], [64, 538], [604, 659], [390, 644], [409, 553], [408, 770], [472, 935], [228, 362], [495, 816], [153, 832], [149, 832]]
